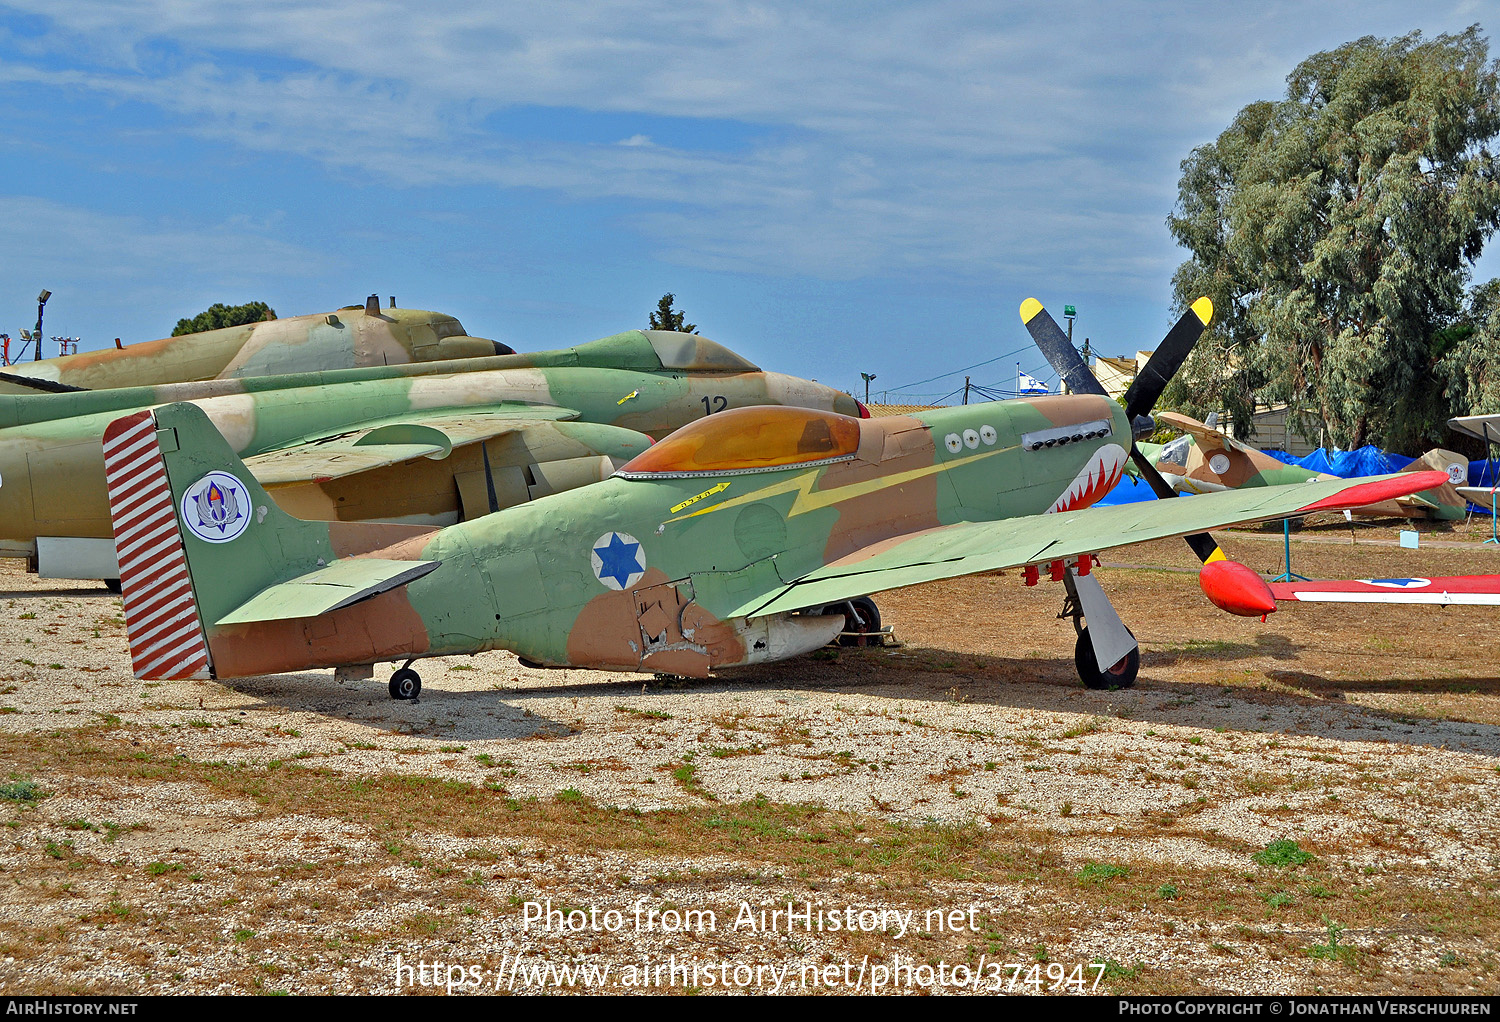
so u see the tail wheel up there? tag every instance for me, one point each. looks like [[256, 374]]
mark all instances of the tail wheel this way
[[406, 684], [1120, 675], [861, 616]]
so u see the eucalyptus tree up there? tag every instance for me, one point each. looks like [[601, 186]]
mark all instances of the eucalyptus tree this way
[[1335, 231]]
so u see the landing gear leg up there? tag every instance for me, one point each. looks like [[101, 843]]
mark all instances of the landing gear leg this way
[[406, 683], [863, 617], [1104, 640]]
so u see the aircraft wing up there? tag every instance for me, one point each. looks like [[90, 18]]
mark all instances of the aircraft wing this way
[[966, 548], [1472, 589], [390, 441], [1485, 427], [1208, 440]]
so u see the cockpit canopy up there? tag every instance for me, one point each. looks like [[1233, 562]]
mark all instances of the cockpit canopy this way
[[749, 440], [691, 353], [1176, 452]]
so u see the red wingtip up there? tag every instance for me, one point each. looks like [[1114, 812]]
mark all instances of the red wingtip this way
[[1374, 492], [1231, 586], [864, 413]]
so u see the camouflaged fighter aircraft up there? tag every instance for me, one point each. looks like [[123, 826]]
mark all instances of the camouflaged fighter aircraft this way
[[738, 539], [430, 444], [350, 338], [1206, 459]]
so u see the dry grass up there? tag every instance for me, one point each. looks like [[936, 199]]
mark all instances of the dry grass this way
[[1281, 906]]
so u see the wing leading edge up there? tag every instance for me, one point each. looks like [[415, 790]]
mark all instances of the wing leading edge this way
[[966, 548]]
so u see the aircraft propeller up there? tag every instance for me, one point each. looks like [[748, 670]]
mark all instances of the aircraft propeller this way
[[1143, 393]]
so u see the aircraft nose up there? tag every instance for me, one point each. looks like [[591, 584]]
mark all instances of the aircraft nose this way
[[798, 393]]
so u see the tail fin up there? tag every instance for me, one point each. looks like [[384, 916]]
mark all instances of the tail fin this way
[[1447, 502], [197, 538], [161, 613]]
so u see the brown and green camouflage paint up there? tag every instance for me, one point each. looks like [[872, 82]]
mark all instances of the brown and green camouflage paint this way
[[51, 467], [346, 339], [688, 549]]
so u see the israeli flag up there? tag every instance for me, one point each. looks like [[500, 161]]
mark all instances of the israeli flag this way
[[1028, 384]]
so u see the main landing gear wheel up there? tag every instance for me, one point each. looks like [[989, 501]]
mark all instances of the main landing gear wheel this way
[[861, 616], [1121, 675], [406, 684]]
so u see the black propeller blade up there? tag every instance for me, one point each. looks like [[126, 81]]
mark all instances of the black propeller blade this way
[[1149, 382], [1054, 344], [1167, 359]]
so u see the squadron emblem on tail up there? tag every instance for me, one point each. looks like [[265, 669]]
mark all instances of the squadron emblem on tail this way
[[214, 508]]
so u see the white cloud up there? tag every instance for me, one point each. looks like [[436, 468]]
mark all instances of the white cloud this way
[[75, 251], [883, 138]]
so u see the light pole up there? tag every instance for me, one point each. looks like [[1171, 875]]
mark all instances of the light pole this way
[[1069, 311], [867, 377], [41, 303]]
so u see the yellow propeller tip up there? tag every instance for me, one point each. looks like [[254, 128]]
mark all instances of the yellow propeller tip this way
[[1218, 554], [1029, 308], [1204, 310]]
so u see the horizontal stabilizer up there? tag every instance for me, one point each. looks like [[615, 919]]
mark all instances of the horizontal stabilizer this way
[[341, 584]]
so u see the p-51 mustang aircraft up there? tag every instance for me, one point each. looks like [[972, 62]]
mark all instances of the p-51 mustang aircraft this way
[[738, 539]]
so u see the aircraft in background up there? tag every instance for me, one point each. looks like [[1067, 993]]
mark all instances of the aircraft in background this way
[[1482, 590], [740, 538], [1486, 428], [1483, 427], [434, 443], [1206, 459], [352, 337]]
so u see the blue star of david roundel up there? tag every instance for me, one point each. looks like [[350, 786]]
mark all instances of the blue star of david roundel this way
[[216, 508], [618, 560]]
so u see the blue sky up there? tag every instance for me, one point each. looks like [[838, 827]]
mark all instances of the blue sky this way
[[828, 188]]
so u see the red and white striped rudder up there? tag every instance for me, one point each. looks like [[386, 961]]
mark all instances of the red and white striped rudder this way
[[161, 614]]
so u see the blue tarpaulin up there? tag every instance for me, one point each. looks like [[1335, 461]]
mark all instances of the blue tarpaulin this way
[[1365, 461]]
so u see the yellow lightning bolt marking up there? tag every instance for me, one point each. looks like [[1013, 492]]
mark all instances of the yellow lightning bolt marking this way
[[627, 397], [807, 500]]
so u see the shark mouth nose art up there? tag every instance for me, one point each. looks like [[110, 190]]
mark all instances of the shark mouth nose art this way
[[1094, 480]]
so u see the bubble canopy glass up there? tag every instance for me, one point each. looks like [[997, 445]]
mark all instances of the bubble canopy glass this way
[[749, 440]]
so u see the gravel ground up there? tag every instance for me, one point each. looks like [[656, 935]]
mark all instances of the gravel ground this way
[[1078, 835]]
